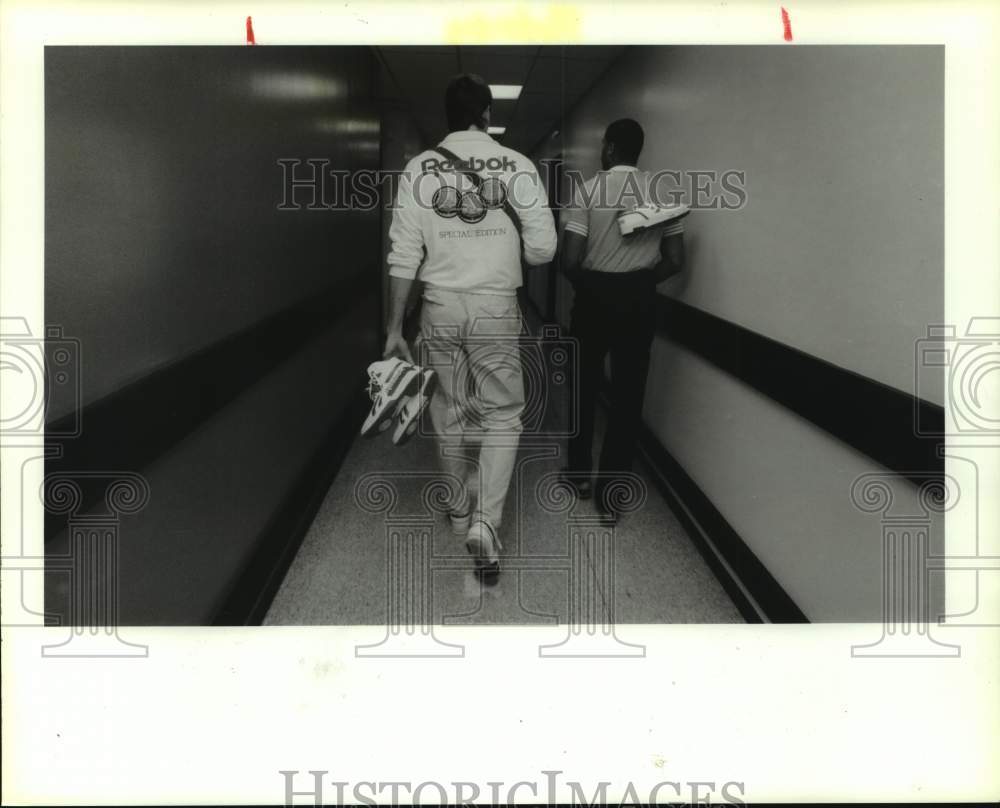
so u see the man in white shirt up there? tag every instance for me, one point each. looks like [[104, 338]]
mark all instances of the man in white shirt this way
[[474, 206]]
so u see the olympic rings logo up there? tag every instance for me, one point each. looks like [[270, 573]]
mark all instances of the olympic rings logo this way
[[470, 206]]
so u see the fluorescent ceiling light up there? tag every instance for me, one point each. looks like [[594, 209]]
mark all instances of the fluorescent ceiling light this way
[[505, 92], [348, 126], [296, 86], [496, 130]]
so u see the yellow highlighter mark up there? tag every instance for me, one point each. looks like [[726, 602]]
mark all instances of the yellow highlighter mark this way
[[532, 23]]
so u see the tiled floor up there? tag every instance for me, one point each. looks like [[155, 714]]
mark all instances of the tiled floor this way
[[649, 572]]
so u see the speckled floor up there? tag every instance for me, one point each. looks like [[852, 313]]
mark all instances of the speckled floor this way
[[555, 562]]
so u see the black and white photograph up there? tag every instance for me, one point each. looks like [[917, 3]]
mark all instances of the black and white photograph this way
[[660, 350], [424, 348]]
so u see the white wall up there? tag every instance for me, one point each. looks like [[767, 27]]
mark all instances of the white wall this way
[[838, 252]]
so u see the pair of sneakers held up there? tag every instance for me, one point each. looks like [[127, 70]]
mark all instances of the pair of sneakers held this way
[[400, 391], [643, 217]]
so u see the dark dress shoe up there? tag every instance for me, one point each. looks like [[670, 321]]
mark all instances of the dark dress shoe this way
[[580, 481], [605, 510]]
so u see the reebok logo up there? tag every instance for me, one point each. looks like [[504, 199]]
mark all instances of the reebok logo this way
[[472, 164]]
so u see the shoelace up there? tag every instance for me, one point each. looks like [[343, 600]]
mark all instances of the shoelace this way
[[374, 388]]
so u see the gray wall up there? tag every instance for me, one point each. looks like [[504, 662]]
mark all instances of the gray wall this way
[[839, 253], [402, 140], [163, 236], [162, 186]]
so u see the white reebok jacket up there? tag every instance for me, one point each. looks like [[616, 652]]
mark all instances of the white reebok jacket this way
[[472, 244]]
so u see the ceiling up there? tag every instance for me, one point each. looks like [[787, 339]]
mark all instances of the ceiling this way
[[553, 77]]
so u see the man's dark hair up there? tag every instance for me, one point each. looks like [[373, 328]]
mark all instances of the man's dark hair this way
[[465, 101], [628, 138]]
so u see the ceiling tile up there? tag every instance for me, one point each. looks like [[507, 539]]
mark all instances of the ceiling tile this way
[[552, 83], [540, 107], [572, 76], [499, 65], [422, 77]]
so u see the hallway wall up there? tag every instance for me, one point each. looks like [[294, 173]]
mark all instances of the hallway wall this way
[[838, 253], [163, 187], [402, 140], [167, 256]]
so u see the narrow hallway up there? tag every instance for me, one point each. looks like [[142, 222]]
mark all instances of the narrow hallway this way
[[339, 576], [787, 380]]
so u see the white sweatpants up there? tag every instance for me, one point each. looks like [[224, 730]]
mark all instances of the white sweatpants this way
[[472, 341]]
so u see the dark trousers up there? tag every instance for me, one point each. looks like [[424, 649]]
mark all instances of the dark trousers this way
[[613, 314]]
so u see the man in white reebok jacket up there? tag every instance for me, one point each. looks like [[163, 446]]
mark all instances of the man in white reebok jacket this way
[[475, 207]]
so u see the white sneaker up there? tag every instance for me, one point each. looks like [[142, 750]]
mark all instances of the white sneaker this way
[[389, 380], [460, 522], [409, 410], [484, 546], [645, 216]]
